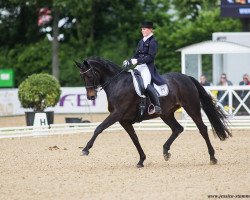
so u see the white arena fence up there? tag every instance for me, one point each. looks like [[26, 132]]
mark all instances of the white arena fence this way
[[237, 98], [238, 109], [73, 128]]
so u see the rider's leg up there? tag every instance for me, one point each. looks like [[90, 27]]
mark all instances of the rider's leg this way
[[145, 74], [140, 81], [152, 93]]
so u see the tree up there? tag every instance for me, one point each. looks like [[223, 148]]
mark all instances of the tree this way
[[18, 23], [110, 29], [186, 32], [191, 9], [55, 44]]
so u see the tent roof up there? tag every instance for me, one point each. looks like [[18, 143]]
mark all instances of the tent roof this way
[[214, 47]]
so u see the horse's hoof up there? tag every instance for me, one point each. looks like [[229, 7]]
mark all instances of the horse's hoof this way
[[167, 156], [139, 165], [85, 153], [213, 161]]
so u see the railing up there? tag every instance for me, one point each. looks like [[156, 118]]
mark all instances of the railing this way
[[150, 125], [234, 100]]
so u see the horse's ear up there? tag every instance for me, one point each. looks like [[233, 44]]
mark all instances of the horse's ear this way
[[79, 65], [85, 62]]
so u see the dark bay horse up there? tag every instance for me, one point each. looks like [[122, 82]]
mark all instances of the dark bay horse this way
[[184, 91]]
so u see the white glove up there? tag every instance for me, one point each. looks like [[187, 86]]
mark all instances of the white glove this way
[[134, 61], [126, 64]]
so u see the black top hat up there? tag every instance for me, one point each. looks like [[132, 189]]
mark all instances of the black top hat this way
[[147, 24]]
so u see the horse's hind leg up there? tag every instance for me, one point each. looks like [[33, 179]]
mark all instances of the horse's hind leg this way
[[195, 114], [176, 130], [130, 130]]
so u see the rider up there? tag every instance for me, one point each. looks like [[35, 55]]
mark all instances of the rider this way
[[144, 59]]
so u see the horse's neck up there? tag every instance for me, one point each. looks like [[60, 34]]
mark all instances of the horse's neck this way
[[116, 83], [108, 75]]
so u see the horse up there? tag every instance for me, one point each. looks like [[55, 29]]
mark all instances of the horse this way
[[184, 91]]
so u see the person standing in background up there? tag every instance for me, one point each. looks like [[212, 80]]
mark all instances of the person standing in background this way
[[203, 81], [223, 82], [245, 81]]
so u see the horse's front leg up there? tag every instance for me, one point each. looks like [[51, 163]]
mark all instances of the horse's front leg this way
[[131, 131], [111, 119]]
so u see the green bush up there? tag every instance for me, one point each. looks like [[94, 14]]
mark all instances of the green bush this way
[[39, 91]]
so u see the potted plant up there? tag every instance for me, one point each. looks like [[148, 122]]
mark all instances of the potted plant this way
[[38, 92]]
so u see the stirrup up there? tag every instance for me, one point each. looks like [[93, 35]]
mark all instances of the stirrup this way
[[151, 109], [154, 109]]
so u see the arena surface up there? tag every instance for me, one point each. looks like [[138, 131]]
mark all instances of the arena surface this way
[[52, 168]]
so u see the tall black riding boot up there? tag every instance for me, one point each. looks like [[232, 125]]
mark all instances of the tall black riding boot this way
[[152, 93]]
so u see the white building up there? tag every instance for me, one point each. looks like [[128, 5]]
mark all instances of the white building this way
[[230, 53], [235, 64]]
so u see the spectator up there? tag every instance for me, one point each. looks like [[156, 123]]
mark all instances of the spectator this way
[[245, 81], [203, 81], [223, 82]]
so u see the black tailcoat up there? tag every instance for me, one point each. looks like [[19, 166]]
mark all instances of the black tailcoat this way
[[145, 54]]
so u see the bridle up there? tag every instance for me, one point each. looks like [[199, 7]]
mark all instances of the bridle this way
[[98, 87], [84, 73]]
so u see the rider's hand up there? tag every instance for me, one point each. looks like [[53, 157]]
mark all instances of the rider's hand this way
[[134, 61], [126, 64]]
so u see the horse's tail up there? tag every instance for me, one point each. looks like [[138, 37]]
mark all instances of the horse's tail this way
[[214, 113]]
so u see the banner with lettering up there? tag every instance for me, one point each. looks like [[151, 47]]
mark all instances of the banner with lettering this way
[[72, 100]]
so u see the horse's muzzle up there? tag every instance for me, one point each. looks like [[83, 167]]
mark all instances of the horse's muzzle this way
[[91, 94], [91, 97]]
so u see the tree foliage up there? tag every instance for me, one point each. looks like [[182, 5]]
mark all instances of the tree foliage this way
[[110, 29]]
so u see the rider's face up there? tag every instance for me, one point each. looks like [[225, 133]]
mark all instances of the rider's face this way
[[146, 31]]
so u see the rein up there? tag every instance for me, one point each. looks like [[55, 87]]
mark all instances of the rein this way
[[98, 88], [109, 81]]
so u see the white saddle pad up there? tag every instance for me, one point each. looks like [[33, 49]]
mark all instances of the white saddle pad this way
[[161, 89]]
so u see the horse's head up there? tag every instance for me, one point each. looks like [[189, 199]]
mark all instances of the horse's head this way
[[90, 79]]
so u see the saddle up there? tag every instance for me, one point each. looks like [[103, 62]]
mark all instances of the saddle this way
[[162, 90], [145, 105]]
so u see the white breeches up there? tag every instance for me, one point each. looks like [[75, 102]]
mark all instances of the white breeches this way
[[145, 74]]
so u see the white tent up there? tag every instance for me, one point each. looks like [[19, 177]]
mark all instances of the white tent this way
[[191, 59]]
